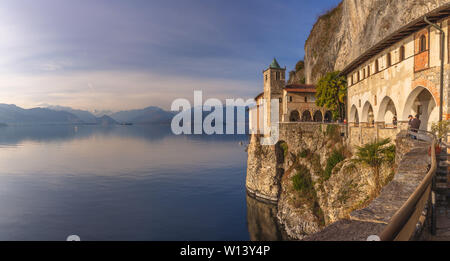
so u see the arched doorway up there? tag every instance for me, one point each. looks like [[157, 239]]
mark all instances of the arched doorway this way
[[294, 117], [318, 116], [354, 117], [306, 116], [421, 102], [367, 114], [387, 111], [328, 116]]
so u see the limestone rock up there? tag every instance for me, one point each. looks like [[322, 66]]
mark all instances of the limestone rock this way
[[344, 33]]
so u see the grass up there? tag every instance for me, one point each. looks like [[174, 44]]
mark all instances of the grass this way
[[304, 185], [302, 181], [285, 148], [335, 158]]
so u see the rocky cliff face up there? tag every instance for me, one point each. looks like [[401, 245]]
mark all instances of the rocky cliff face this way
[[317, 199], [344, 33]]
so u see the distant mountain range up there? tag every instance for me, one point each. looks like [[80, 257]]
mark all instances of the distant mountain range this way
[[148, 115], [14, 115]]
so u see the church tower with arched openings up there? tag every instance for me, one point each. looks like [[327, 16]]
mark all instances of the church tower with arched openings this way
[[274, 83]]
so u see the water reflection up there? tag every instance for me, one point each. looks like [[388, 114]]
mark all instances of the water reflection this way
[[126, 183], [262, 221]]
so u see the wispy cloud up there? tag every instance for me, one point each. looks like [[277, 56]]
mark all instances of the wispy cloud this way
[[111, 54], [104, 90]]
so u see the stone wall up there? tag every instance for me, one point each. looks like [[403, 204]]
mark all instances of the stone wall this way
[[359, 135]]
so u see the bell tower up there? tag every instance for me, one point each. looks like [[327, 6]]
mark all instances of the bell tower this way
[[274, 82]]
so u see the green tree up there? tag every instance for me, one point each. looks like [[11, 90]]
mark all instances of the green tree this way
[[331, 93], [441, 129], [375, 154]]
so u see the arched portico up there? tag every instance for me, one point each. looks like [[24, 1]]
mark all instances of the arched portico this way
[[354, 116], [367, 113], [318, 116], [386, 111], [294, 116], [422, 102], [306, 116], [328, 116]]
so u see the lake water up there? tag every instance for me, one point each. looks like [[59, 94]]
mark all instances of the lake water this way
[[126, 183]]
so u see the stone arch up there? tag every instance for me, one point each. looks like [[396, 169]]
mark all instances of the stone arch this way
[[354, 115], [318, 116], [367, 113], [294, 116], [421, 101], [387, 110], [328, 116], [306, 116]]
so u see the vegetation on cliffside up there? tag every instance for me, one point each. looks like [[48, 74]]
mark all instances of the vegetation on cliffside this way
[[324, 182], [374, 154]]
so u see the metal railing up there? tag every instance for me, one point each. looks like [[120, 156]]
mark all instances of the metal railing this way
[[402, 225]]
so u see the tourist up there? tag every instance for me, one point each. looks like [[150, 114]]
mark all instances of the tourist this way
[[415, 125], [410, 118], [394, 121]]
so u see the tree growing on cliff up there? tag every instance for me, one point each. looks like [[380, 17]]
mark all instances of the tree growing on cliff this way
[[331, 94], [375, 154]]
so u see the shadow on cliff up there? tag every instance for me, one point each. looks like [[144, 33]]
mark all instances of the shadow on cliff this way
[[262, 222]]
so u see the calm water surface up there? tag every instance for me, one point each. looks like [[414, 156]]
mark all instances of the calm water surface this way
[[126, 183]]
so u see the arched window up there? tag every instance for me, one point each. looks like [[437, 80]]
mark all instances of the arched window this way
[[278, 75], [364, 73], [359, 77], [423, 44], [402, 53], [306, 98], [368, 71], [377, 66], [388, 60]]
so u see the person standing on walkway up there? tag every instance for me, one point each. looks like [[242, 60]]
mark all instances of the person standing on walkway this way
[[415, 125]]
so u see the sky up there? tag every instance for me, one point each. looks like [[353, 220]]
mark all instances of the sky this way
[[129, 54]]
